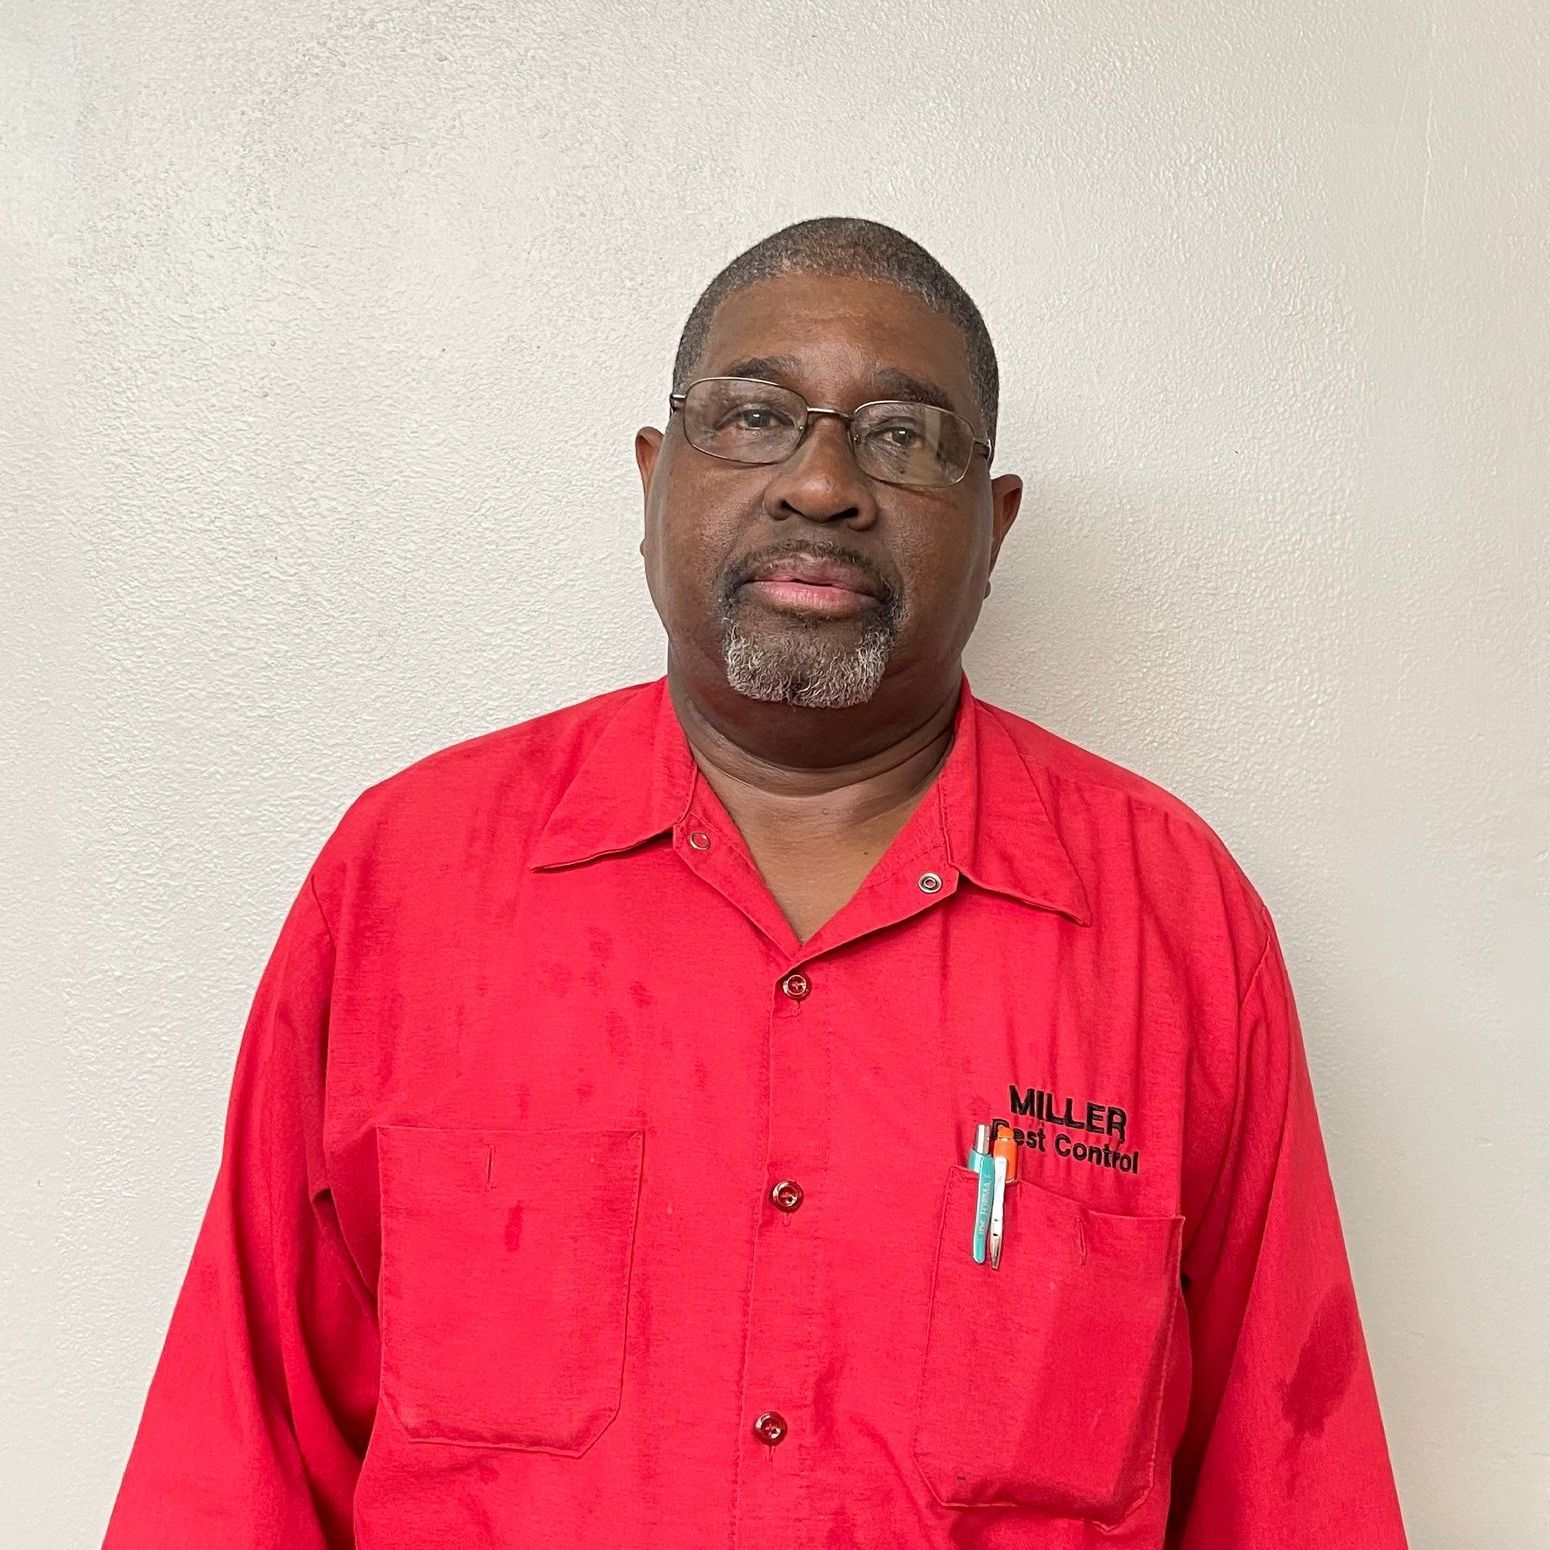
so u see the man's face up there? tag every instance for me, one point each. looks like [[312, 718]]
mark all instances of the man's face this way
[[806, 581]]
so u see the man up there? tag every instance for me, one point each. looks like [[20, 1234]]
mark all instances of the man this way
[[603, 1165]]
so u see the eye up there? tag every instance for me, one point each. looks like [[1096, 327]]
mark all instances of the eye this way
[[752, 417], [897, 436]]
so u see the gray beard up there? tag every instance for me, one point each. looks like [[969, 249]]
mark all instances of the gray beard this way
[[801, 668]]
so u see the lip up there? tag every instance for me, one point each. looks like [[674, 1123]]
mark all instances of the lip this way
[[810, 570], [809, 583], [837, 602]]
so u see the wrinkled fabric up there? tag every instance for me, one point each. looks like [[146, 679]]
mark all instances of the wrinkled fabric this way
[[493, 1258]]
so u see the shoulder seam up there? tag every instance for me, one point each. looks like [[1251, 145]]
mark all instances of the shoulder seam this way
[[312, 885], [1237, 1068]]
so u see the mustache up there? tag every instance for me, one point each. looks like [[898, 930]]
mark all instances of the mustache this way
[[741, 570]]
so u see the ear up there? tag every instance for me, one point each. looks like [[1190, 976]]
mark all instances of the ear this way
[[648, 445], [1006, 496]]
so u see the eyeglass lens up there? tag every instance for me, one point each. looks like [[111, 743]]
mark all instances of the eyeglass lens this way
[[747, 421]]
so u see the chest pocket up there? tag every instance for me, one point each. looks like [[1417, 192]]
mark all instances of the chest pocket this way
[[1043, 1380], [505, 1282]]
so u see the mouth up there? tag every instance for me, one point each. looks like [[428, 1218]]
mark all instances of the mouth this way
[[812, 584]]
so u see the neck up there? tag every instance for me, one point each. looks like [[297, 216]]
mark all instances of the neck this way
[[837, 767]]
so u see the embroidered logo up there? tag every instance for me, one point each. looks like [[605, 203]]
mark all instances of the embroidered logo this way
[[1091, 1133]]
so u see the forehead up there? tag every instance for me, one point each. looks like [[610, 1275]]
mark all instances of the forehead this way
[[843, 336]]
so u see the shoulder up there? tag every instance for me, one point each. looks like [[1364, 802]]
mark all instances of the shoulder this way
[[1139, 847], [1078, 771], [495, 782]]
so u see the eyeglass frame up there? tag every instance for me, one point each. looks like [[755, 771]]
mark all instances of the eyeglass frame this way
[[675, 402]]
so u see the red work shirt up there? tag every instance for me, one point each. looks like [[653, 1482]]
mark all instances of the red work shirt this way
[[568, 1199]]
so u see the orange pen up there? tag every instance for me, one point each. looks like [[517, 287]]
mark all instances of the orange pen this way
[[1003, 1153]]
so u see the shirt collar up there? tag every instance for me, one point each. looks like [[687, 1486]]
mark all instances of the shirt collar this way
[[633, 783], [992, 801], [996, 815]]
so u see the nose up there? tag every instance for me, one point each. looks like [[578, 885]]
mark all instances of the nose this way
[[821, 480]]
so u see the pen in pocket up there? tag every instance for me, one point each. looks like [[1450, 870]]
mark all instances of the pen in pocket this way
[[1003, 1155], [981, 1164]]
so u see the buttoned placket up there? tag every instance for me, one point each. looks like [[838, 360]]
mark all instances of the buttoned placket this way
[[794, 1228]]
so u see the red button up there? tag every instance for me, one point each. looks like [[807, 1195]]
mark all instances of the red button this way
[[770, 1427], [787, 1196], [796, 985]]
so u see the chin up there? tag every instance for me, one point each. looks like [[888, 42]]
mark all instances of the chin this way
[[803, 670]]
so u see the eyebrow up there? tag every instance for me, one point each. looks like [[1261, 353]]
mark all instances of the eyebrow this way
[[891, 381]]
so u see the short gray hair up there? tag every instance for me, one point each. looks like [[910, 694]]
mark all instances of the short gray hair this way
[[848, 246]]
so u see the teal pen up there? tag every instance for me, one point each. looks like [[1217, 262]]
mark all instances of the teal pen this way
[[980, 1163]]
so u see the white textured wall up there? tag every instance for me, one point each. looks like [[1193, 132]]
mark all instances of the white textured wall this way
[[333, 323]]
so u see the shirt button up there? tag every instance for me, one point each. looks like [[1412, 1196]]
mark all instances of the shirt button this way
[[787, 1196], [699, 840], [930, 882], [770, 1427], [796, 985]]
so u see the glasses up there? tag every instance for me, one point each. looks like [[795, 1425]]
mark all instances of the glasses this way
[[745, 420]]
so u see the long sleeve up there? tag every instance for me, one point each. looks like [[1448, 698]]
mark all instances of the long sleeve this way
[[261, 1403], [1284, 1445]]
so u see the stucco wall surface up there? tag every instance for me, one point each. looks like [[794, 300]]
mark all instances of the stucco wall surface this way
[[326, 327]]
